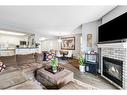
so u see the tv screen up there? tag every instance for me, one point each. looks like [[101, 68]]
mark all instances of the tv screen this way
[[115, 29]]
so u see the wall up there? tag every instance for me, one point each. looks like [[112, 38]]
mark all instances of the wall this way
[[54, 44], [90, 28], [11, 40], [77, 51], [78, 45], [114, 13], [50, 44]]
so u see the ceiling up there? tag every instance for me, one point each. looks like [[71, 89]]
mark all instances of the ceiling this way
[[49, 20]]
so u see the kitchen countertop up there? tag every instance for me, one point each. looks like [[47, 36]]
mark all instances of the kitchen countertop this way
[[7, 49], [11, 49], [27, 48]]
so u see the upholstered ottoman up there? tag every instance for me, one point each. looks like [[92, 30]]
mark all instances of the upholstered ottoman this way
[[54, 81]]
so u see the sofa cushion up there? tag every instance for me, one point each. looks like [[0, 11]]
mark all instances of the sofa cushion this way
[[24, 59], [8, 60], [28, 67], [39, 57], [11, 78], [27, 85], [9, 69], [50, 56]]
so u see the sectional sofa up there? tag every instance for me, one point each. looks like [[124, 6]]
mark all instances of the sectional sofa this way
[[19, 71]]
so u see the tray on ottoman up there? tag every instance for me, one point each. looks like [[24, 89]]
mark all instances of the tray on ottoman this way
[[49, 69]]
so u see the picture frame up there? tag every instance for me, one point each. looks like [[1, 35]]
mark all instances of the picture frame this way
[[89, 40], [68, 43]]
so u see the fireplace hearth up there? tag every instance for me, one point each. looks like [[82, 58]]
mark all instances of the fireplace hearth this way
[[113, 70]]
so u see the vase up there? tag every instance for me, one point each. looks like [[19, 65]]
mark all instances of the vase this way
[[54, 69], [82, 68]]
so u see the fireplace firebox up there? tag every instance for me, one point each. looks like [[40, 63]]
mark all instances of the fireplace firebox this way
[[113, 70]]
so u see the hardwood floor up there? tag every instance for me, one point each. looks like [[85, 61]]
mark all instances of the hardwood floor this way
[[94, 80]]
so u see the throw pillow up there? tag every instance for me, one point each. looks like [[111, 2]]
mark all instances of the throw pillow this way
[[38, 57], [49, 56], [2, 66]]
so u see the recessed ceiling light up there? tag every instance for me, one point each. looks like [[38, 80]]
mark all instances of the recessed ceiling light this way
[[11, 33]]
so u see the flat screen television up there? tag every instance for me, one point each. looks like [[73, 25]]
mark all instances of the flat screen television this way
[[114, 30]]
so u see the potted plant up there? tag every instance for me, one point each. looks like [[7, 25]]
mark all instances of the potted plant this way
[[54, 64], [82, 64]]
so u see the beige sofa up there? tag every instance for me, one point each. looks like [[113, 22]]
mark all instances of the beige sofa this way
[[19, 71]]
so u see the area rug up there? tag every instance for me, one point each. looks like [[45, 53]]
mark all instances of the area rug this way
[[78, 85]]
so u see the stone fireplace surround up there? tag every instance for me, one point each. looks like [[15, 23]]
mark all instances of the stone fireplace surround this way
[[115, 51]]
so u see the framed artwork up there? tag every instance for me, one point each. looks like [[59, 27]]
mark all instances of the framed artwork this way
[[89, 40], [68, 43]]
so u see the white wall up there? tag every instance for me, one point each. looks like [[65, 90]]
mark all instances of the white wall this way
[[11, 40], [90, 28], [77, 34], [77, 51], [114, 13], [50, 44]]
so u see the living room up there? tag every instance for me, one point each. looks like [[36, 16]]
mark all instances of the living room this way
[[29, 49]]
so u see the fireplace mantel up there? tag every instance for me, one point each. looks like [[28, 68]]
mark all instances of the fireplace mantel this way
[[113, 45]]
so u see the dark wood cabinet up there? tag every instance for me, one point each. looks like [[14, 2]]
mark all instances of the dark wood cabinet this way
[[91, 67], [92, 63]]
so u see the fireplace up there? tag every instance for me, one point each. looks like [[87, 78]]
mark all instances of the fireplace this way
[[113, 70]]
